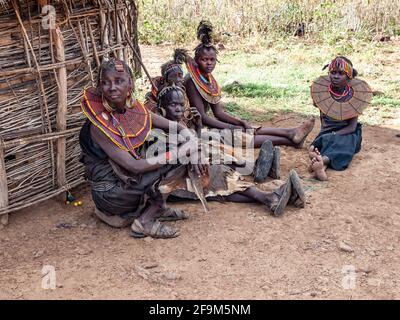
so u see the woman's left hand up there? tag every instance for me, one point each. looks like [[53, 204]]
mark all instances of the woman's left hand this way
[[196, 115]]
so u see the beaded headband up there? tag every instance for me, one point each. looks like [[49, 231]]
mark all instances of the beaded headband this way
[[172, 68], [167, 89], [119, 66], [340, 64]]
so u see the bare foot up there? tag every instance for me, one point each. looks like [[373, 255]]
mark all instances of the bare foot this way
[[302, 132], [313, 152], [318, 167]]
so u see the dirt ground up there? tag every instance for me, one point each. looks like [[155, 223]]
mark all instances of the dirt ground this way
[[343, 245], [348, 233]]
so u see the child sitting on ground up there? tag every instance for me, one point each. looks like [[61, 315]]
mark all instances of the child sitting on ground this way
[[340, 98]]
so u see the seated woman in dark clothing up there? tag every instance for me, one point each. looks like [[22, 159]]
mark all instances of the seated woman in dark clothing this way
[[171, 72], [225, 182], [125, 185], [204, 93], [340, 99]]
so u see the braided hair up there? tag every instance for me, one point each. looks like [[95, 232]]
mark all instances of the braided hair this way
[[165, 93], [179, 58], [204, 35]]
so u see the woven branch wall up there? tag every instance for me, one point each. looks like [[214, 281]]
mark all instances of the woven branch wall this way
[[45, 64]]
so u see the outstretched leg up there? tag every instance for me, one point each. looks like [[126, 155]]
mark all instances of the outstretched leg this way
[[274, 201], [293, 136], [250, 195], [276, 141]]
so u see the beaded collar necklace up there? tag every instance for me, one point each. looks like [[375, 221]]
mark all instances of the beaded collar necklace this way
[[345, 93]]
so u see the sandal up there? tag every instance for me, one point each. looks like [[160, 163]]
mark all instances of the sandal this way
[[114, 220], [158, 230], [298, 197], [264, 162], [172, 214], [284, 195], [275, 171]]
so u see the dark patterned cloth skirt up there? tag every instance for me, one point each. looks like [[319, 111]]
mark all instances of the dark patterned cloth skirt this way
[[340, 149], [128, 199], [114, 190]]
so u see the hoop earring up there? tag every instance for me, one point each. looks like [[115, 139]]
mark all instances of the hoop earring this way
[[130, 100], [106, 104]]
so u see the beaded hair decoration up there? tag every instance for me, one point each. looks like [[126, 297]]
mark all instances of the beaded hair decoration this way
[[350, 103], [166, 90], [342, 64], [174, 65]]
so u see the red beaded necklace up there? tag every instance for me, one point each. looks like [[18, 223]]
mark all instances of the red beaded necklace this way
[[340, 95]]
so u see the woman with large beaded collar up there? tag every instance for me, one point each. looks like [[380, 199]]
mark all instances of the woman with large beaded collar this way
[[126, 185]]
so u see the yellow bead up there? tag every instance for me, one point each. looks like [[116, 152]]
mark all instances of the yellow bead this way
[[80, 203]]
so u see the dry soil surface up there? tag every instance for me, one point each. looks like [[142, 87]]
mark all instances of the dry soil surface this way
[[344, 244]]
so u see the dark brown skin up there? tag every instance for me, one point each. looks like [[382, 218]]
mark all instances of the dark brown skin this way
[[123, 158], [175, 77], [175, 109], [116, 86], [206, 62]]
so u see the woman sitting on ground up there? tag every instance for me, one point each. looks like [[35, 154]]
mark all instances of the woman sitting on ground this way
[[225, 182], [125, 185], [204, 93], [340, 98]]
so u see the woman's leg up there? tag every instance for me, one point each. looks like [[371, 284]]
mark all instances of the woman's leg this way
[[276, 141], [149, 215], [293, 136], [280, 132], [250, 195], [234, 197]]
